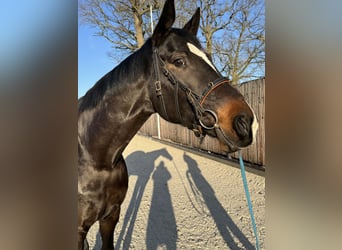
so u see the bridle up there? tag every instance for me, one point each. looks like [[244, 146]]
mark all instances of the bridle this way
[[193, 98]]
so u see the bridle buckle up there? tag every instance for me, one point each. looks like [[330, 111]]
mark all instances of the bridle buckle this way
[[158, 87]]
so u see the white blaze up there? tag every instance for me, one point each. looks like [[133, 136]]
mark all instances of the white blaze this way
[[200, 53]]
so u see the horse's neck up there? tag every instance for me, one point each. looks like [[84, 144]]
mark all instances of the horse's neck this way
[[105, 130]]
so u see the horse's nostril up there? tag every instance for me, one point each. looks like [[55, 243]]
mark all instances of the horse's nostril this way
[[241, 125]]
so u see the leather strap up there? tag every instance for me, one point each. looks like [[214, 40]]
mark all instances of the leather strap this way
[[194, 99]]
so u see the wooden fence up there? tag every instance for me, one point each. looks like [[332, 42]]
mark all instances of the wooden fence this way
[[254, 92]]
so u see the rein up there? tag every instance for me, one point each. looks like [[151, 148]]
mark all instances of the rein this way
[[194, 99], [248, 198]]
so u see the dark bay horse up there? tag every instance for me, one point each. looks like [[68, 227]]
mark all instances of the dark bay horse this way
[[170, 74]]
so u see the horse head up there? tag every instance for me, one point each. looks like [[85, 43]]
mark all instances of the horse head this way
[[191, 91]]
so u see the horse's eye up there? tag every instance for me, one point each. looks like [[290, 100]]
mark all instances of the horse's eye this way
[[179, 62]]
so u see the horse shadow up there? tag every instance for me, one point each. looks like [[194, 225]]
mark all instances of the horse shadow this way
[[140, 164], [223, 221]]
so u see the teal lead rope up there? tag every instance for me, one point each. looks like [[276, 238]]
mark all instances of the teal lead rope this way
[[244, 180]]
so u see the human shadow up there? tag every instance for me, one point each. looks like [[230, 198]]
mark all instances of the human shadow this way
[[140, 164], [223, 221], [162, 228]]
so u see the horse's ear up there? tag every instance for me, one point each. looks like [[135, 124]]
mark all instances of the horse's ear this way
[[193, 24], [165, 22]]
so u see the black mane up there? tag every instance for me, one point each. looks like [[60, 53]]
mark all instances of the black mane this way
[[127, 71]]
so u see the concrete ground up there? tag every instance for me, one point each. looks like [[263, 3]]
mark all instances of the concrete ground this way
[[180, 200]]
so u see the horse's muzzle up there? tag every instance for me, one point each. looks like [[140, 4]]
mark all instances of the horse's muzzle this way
[[241, 133]]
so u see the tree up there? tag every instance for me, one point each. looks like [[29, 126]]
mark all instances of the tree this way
[[215, 17], [231, 31], [240, 51], [125, 24]]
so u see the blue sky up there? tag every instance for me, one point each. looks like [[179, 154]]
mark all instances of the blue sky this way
[[93, 60]]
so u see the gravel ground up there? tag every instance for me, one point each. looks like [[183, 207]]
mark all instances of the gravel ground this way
[[180, 200]]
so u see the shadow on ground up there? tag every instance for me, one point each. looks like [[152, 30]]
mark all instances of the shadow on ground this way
[[223, 221], [161, 227], [142, 165]]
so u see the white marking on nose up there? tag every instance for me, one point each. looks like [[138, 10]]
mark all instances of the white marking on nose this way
[[255, 125], [201, 54]]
